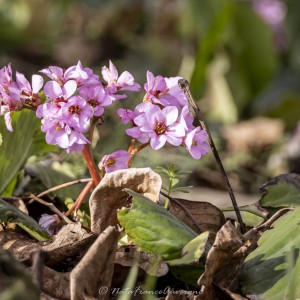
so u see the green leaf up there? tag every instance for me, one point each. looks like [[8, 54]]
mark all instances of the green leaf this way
[[272, 271], [175, 181], [282, 191], [16, 145], [10, 214], [192, 251], [154, 228]]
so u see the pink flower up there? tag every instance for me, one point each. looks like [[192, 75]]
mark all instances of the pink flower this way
[[58, 93], [78, 73], [96, 97], [51, 223], [29, 95], [115, 161], [6, 75], [164, 91], [77, 113], [57, 132], [195, 143], [115, 83], [161, 126]]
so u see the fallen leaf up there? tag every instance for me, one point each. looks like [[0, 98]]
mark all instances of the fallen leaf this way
[[96, 268], [109, 196], [17, 244], [56, 284], [224, 261], [198, 215], [152, 264], [71, 240]]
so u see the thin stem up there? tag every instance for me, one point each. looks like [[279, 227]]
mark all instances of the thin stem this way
[[61, 186], [93, 169], [81, 197], [184, 85], [134, 151], [51, 207]]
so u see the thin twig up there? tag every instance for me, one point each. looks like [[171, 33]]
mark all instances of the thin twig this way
[[266, 225], [183, 207], [61, 186], [81, 197], [51, 207], [184, 85]]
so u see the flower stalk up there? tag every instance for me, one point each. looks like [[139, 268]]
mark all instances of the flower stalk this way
[[184, 85]]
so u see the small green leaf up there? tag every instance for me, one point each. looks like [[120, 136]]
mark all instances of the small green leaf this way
[[10, 214], [272, 270], [154, 228], [282, 191], [175, 181], [192, 251]]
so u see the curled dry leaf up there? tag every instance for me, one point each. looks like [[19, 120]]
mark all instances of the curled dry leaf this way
[[224, 261], [96, 267], [152, 264], [71, 240], [109, 196], [200, 216]]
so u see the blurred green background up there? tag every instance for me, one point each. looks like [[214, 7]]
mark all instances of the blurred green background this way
[[242, 59]]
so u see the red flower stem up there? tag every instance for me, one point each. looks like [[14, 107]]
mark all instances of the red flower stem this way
[[93, 169], [133, 152], [80, 198]]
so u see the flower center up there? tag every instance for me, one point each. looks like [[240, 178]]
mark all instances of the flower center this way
[[110, 162], [93, 102], [74, 109], [58, 127], [194, 143], [160, 128]]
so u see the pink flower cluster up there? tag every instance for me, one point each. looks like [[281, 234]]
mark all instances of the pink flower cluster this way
[[18, 94], [164, 116], [74, 96]]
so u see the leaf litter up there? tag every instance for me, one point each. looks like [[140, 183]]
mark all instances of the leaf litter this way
[[76, 262]]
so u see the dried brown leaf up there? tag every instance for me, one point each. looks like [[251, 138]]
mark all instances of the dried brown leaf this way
[[224, 261], [18, 244], [200, 216], [153, 265], [96, 267], [71, 240], [109, 196], [56, 284]]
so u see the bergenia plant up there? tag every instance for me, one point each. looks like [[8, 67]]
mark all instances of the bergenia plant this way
[[75, 98]]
